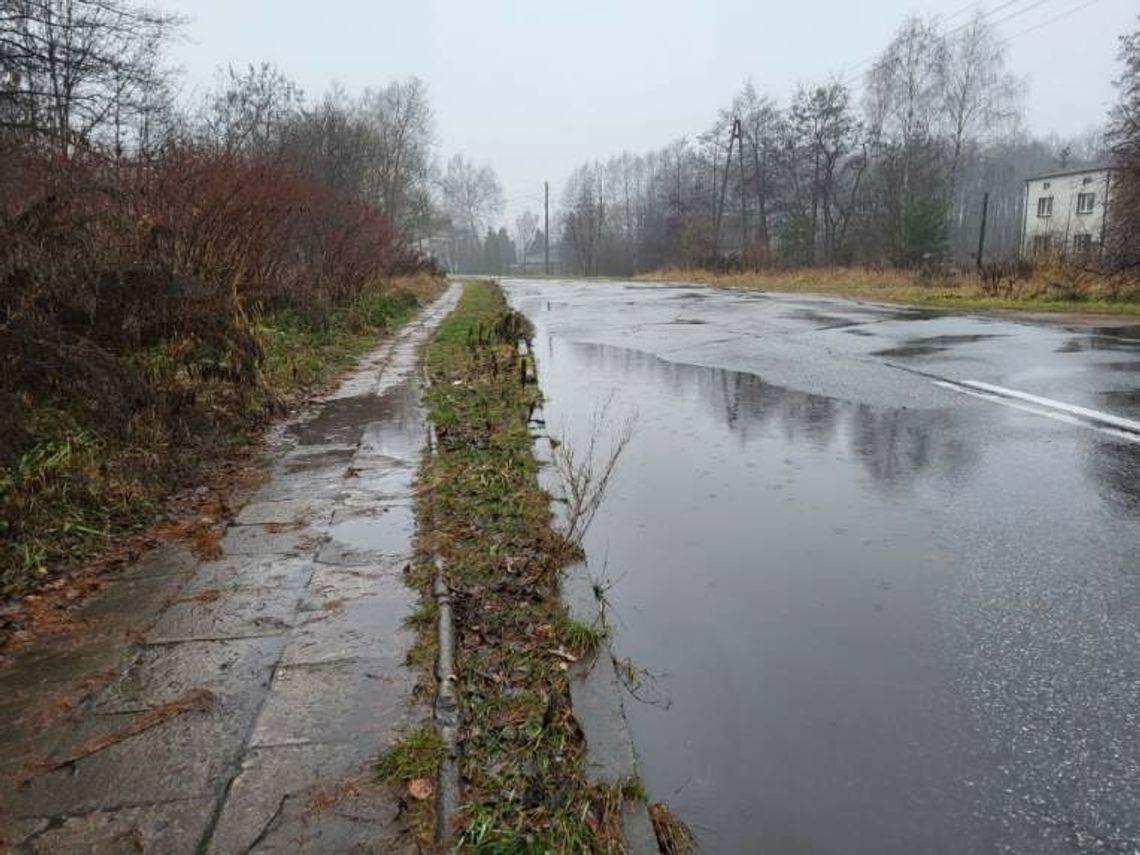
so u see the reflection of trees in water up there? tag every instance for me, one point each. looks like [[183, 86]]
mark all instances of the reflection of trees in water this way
[[897, 446], [1115, 467]]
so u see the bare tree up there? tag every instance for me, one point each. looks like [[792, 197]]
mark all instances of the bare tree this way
[[76, 70], [526, 226], [1124, 145], [402, 121], [472, 196], [980, 99]]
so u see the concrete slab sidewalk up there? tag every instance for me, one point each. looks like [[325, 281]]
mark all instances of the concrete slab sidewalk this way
[[295, 632]]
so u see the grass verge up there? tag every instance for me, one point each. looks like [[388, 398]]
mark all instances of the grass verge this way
[[1051, 288], [83, 480], [482, 510]]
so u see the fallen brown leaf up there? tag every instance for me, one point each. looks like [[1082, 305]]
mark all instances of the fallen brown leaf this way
[[421, 788]]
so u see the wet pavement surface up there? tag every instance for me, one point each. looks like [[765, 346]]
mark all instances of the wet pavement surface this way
[[237, 705], [878, 610]]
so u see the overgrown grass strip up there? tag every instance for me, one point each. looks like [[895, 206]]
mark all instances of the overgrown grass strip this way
[[483, 512]]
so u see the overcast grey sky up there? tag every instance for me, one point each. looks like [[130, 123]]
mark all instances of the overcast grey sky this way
[[534, 88]]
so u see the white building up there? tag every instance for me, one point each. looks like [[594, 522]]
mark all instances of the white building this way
[[1064, 213]]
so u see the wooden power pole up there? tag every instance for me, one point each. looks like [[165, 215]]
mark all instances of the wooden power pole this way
[[546, 225], [982, 229], [738, 138]]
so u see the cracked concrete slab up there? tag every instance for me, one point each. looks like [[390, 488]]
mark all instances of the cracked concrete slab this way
[[284, 512], [318, 798], [364, 700], [165, 827], [235, 574], [305, 659], [229, 668], [269, 540], [368, 627], [241, 613], [188, 756]]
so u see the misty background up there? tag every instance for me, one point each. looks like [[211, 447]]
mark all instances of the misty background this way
[[535, 89]]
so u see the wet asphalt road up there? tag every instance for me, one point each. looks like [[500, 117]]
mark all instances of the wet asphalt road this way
[[878, 610]]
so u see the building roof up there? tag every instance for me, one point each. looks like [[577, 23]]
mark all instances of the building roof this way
[[1061, 173]]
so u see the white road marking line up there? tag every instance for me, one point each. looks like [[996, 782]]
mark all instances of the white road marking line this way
[[1056, 415], [1094, 415]]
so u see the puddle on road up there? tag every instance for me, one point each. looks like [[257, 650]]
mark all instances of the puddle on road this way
[[930, 345], [782, 565], [1108, 339]]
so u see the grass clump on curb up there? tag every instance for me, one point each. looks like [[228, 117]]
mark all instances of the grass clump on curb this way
[[483, 512], [416, 755]]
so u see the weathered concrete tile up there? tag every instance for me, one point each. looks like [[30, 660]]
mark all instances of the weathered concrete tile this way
[[189, 756], [16, 831], [265, 540], [311, 460], [236, 613], [171, 827], [374, 483], [134, 601], [26, 743], [323, 485], [238, 672], [316, 798], [251, 571], [335, 702], [56, 665], [368, 627], [168, 559], [369, 539], [330, 583], [284, 512]]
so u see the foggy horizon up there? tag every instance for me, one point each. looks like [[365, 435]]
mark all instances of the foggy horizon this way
[[507, 91]]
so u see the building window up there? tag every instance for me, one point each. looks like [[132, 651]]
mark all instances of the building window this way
[[1086, 181], [1040, 244], [1045, 186], [1085, 202], [1045, 206], [1082, 244]]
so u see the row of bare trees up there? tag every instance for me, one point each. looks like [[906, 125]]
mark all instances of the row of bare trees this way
[[90, 76], [894, 175]]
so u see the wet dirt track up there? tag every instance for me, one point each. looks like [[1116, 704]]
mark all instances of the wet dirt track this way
[[237, 705], [879, 610]]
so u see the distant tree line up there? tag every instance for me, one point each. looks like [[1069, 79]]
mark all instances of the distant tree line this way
[[895, 177]]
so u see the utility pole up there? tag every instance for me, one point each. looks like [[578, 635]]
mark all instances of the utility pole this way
[[982, 230], [718, 213], [546, 226], [739, 132]]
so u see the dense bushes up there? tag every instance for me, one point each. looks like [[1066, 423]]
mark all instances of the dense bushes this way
[[151, 309]]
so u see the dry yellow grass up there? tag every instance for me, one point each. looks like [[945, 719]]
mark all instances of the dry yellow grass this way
[[1051, 288]]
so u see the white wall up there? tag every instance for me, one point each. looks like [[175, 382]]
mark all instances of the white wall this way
[[1065, 222]]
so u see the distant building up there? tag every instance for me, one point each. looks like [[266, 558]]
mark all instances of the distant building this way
[[1064, 213]]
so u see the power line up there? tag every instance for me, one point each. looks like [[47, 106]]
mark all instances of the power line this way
[[960, 27], [1021, 12], [1052, 20]]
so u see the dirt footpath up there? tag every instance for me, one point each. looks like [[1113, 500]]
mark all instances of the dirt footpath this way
[[236, 705]]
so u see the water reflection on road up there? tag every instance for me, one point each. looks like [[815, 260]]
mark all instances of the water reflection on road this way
[[867, 626]]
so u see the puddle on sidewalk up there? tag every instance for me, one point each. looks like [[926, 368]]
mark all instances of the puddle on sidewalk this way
[[384, 420], [389, 532]]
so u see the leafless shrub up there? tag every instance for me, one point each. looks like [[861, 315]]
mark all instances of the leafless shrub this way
[[585, 473]]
